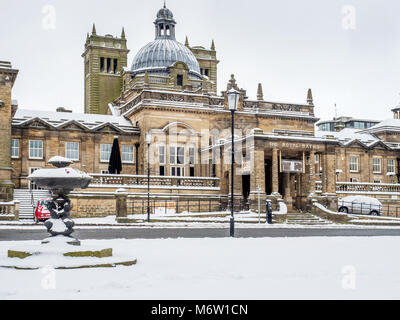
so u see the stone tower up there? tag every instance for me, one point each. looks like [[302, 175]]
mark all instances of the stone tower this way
[[104, 59], [208, 62], [7, 79]]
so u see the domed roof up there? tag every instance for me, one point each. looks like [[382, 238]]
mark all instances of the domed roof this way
[[163, 53], [165, 13]]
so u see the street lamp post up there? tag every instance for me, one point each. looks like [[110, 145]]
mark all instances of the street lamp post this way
[[233, 99], [148, 140]]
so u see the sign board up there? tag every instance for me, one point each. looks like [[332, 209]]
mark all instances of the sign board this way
[[294, 166]]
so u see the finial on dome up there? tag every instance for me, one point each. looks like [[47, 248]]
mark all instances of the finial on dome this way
[[165, 4], [187, 42]]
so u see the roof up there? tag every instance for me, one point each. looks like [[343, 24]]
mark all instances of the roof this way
[[161, 54], [348, 134], [90, 122], [386, 125]]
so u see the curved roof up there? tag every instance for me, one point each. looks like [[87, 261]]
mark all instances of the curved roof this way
[[161, 54]]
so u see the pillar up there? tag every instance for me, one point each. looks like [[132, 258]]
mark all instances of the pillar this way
[[257, 179], [275, 172], [287, 190], [311, 172], [7, 79]]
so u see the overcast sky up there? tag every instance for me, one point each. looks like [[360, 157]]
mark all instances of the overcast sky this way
[[348, 52]]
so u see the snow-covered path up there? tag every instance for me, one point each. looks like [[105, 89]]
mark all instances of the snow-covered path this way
[[264, 268]]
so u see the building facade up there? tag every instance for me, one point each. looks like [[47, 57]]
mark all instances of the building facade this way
[[171, 92]]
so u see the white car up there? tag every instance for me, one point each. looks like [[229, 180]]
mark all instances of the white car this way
[[360, 205]]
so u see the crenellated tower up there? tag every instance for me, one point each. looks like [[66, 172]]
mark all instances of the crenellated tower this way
[[104, 59]]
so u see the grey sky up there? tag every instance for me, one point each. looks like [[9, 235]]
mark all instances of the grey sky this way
[[288, 46]]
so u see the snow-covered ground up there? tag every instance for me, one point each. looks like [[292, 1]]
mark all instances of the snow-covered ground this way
[[266, 268]]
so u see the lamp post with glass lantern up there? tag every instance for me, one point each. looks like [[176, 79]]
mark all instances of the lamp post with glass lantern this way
[[148, 140], [233, 100]]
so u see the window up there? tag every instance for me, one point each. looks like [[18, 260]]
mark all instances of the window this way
[[108, 65], [192, 171], [353, 164], [391, 166], [35, 149], [127, 154], [101, 64], [72, 150], [355, 180], [177, 155], [115, 69], [105, 152], [206, 72], [161, 154], [179, 80], [177, 171], [377, 165], [162, 170], [15, 148]]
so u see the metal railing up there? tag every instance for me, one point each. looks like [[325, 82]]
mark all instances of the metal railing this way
[[141, 180], [179, 206], [360, 208]]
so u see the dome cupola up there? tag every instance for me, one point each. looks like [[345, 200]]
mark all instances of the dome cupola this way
[[164, 52]]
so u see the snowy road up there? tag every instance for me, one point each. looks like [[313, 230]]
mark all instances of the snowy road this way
[[100, 233]]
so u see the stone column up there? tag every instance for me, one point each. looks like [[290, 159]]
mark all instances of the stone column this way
[[275, 172], [257, 179], [287, 193], [311, 173], [330, 172], [322, 162], [121, 197], [7, 78]]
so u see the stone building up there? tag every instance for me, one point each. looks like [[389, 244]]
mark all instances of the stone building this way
[[171, 92]]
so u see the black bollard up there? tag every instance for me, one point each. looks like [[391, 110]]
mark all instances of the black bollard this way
[[268, 204]]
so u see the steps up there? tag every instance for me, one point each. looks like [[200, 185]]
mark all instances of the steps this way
[[305, 219], [24, 197]]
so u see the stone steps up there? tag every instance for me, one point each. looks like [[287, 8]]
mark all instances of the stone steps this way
[[24, 196], [305, 219]]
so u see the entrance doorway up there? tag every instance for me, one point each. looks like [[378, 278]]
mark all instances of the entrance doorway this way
[[246, 187], [268, 176]]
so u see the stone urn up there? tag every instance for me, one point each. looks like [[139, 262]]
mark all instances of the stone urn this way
[[60, 182]]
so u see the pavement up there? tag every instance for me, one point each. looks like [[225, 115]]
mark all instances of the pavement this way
[[83, 233]]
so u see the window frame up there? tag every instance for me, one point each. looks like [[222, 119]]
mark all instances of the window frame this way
[[78, 150], [374, 164], [124, 153], [357, 163], [15, 148], [394, 165], [102, 152], [30, 149]]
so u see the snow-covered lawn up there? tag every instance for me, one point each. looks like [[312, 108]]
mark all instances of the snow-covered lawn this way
[[266, 268]]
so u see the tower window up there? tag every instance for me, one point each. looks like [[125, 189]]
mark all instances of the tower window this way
[[101, 64], [179, 80], [108, 65], [206, 72], [115, 65]]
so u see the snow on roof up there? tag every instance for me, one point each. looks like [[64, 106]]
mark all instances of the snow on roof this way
[[57, 119], [348, 134], [386, 125]]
